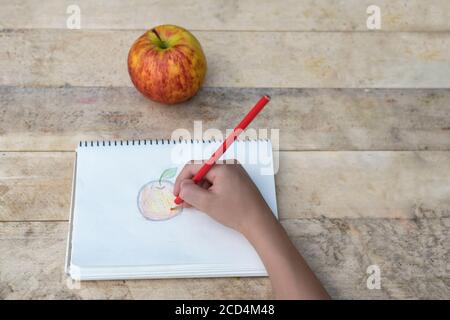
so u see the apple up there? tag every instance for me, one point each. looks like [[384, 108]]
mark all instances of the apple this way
[[155, 200], [167, 64]]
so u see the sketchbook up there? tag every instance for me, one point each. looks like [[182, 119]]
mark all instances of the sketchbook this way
[[125, 225]]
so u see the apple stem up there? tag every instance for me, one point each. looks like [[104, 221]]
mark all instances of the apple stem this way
[[162, 44], [157, 34]]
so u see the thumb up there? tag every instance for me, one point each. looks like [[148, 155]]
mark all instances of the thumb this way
[[195, 195]]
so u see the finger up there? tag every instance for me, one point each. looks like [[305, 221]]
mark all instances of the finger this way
[[195, 195], [205, 184], [186, 205], [188, 171]]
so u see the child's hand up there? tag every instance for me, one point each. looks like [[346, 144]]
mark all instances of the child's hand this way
[[227, 194]]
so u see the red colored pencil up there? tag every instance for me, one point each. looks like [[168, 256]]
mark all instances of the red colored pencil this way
[[228, 141]]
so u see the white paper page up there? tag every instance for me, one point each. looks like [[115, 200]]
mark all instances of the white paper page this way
[[109, 230]]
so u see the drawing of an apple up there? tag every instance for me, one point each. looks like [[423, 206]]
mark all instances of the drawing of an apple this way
[[155, 198]]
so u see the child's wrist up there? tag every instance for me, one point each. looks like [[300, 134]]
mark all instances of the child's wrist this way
[[256, 221]]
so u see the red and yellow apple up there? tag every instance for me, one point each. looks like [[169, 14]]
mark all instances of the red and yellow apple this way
[[167, 64]]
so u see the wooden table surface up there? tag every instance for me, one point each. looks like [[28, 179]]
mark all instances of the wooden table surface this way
[[364, 119]]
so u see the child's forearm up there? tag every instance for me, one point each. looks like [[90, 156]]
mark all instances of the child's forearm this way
[[289, 273]]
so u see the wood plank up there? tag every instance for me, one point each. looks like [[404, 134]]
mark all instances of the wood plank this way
[[245, 59], [35, 186], [411, 255], [402, 185], [287, 15], [308, 119], [364, 184]]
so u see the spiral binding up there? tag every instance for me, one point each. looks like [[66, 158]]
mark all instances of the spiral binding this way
[[115, 143]]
